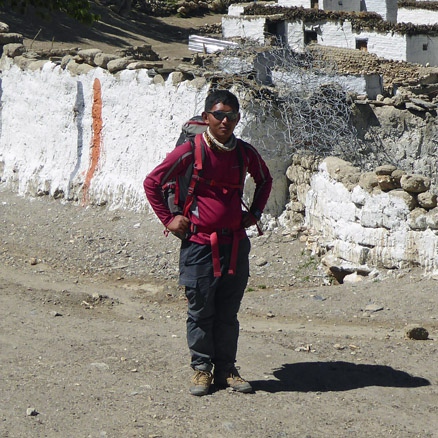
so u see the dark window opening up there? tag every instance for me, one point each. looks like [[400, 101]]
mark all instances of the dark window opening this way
[[425, 46], [362, 45], [310, 37], [314, 4]]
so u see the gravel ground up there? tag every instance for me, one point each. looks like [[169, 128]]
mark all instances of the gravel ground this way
[[92, 335]]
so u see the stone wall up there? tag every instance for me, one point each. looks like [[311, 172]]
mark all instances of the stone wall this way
[[386, 218]]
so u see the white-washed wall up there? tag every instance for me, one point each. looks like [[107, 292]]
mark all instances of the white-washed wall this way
[[46, 130], [295, 35], [248, 27], [417, 16], [47, 139], [295, 3], [336, 34], [354, 84], [236, 9], [386, 8], [367, 229], [416, 52], [346, 6]]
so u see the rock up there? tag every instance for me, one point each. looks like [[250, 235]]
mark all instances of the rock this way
[[353, 278], [386, 183], [415, 183], [118, 64], [102, 59], [432, 219], [342, 171], [427, 200], [386, 169], [4, 28], [416, 332], [368, 181], [373, 308], [31, 412], [417, 219], [410, 200], [88, 56], [8, 38], [13, 49]]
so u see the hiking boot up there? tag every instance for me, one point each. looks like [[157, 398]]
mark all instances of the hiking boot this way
[[232, 379], [201, 382]]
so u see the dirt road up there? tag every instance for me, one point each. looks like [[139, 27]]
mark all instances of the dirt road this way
[[94, 346]]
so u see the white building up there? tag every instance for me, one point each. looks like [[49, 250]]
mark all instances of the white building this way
[[389, 43], [386, 8]]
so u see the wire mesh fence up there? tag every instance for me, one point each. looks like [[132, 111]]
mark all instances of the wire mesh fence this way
[[296, 101]]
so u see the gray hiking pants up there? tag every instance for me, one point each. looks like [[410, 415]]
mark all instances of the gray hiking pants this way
[[213, 303]]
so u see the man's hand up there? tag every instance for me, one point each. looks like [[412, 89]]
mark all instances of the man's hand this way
[[179, 226], [248, 219]]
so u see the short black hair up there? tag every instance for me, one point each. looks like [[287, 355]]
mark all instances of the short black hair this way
[[221, 96]]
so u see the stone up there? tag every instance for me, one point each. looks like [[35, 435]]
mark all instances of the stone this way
[[410, 200], [88, 55], [373, 308], [353, 278], [386, 183], [118, 64], [417, 219], [342, 171], [13, 49], [8, 38], [368, 181], [78, 69], [4, 28], [427, 200], [31, 412], [415, 183], [416, 333], [386, 169], [432, 219], [101, 59]]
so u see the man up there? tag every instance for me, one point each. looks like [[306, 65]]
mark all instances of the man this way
[[214, 264]]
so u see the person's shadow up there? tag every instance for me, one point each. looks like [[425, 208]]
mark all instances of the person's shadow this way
[[335, 376]]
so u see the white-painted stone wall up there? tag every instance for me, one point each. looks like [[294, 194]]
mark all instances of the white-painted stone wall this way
[[354, 84], [247, 27], [46, 133], [417, 16], [346, 6], [336, 34], [368, 229], [295, 3], [422, 49], [386, 8]]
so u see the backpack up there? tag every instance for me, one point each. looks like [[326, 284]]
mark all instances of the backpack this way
[[175, 192], [179, 194]]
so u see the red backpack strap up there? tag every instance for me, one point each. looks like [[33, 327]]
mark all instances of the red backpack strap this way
[[197, 169]]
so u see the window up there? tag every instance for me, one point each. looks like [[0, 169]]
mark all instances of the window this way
[[314, 4], [310, 37], [362, 44], [425, 46]]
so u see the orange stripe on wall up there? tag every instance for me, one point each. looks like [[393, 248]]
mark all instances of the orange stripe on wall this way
[[96, 114]]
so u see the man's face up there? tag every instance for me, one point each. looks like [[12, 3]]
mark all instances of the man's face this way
[[221, 129]]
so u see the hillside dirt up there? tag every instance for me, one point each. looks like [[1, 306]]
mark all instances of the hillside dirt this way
[[92, 321], [92, 337], [167, 36]]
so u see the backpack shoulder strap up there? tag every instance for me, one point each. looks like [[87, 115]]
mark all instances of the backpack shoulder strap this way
[[198, 157]]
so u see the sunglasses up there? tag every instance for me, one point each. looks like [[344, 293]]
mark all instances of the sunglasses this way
[[220, 115]]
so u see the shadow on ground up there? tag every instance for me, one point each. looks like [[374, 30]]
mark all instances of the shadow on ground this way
[[111, 29], [335, 376]]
